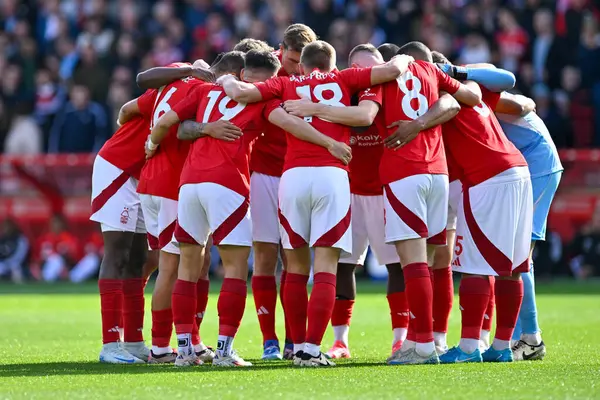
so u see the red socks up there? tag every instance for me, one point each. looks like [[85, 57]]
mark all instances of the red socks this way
[[288, 334], [264, 289], [320, 306], [296, 306], [202, 287], [398, 309], [489, 312], [184, 306], [342, 312], [111, 292], [231, 305], [509, 295], [420, 300], [474, 294], [133, 309], [162, 327], [443, 295]]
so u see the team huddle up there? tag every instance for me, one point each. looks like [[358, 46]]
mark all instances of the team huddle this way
[[434, 166]]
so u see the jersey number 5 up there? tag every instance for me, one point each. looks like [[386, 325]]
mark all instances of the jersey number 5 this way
[[227, 113], [412, 94], [318, 91]]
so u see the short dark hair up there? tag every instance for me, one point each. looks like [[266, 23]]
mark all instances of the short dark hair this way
[[229, 63], [439, 58], [297, 36], [247, 44], [318, 54], [368, 47], [418, 50], [388, 50], [266, 60]]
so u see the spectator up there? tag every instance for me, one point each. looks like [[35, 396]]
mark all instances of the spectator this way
[[89, 265], [57, 250], [96, 35], [24, 135], [14, 251], [585, 250], [81, 127], [69, 58], [512, 40], [92, 74], [475, 50], [49, 98]]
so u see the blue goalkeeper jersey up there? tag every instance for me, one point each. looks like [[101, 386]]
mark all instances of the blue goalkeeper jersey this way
[[530, 135]]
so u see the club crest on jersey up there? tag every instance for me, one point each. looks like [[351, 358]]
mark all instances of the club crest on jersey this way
[[125, 216], [353, 140]]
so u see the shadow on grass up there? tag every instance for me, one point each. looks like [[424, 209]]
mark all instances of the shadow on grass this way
[[95, 368]]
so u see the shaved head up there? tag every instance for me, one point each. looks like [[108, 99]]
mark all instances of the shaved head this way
[[364, 56]]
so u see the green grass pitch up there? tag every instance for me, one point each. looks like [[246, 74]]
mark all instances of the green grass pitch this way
[[50, 339]]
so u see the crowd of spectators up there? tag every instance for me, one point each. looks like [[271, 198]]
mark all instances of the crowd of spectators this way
[[67, 66]]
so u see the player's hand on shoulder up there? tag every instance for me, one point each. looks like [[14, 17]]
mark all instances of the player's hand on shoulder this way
[[204, 74], [300, 108], [405, 132], [224, 78], [223, 130], [341, 151]]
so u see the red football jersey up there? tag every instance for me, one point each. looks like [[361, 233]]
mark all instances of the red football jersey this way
[[268, 152], [332, 88], [160, 175], [367, 149], [407, 98], [125, 149], [478, 144], [217, 161], [454, 171]]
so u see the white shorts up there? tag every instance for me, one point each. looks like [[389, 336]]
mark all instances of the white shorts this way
[[263, 207], [160, 216], [493, 232], [115, 202], [209, 208], [368, 229], [314, 205], [454, 195], [417, 207]]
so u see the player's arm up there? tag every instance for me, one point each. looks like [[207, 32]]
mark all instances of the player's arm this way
[[494, 79], [222, 130], [443, 110], [154, 78], [468, 93], [390, 70], [361, 115], [161, 129], [304, 131], [128, 111], [514, 104], [239, 91]]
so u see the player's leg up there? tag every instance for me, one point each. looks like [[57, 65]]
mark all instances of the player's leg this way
[[115, 205], [191, 232], [407, 208], [443, 291], [294, 227], [486, 326], [117, 245], [232, 302], [346, 281], [330, 234], [398, 304], [265, 236], [133, 298], [509, 288], [528, 339], [204, 352]]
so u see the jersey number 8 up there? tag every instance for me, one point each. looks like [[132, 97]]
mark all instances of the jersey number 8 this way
[[411, 94]]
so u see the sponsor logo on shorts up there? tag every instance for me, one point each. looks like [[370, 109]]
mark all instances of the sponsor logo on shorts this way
[[125, 216], [456, 262]]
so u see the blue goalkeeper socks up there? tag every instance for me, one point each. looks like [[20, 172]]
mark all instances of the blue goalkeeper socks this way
[[527, 322]]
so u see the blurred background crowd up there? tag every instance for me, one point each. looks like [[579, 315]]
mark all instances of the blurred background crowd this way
[[67, 66]]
